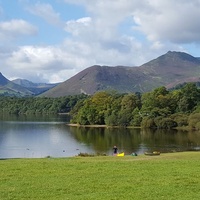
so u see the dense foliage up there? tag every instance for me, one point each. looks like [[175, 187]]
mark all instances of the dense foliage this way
[[157, 109], [38, 105]]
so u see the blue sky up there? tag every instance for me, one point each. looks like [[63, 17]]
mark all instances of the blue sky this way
[[52, 40]]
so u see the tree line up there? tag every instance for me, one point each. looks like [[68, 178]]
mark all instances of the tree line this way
[[160, 108], [38, 105]]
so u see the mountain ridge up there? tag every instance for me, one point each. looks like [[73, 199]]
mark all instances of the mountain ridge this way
[[22, 87], [36, 88], [8, 88], [167, 70], [3, 80]]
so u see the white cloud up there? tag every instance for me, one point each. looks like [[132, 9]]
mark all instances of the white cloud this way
[[36, 57], [16, 28], [46, 12], [167, 20], [77, 27], [55, 64], [165, 25], [154, 27], [170, 20], [48, 63]]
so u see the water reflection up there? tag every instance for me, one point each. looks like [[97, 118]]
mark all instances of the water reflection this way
[[136, 140], [34, 118], [34, 137], [37, 139]]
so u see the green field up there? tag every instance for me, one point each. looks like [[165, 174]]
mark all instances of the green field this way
[[168, 176]]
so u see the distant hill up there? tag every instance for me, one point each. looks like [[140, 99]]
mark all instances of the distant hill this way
[[8, 88], [167, 70], [35, 88], [22, 87], [3, 80]]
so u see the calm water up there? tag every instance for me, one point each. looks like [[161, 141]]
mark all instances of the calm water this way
[[35, 137]]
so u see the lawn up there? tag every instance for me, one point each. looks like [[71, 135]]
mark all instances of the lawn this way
[[168, 176]]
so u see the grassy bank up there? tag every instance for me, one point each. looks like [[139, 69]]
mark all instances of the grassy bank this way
[[168, 176]]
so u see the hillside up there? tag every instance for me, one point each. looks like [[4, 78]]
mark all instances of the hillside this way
[[96, 78], [8, 88], [3, 80], [35, 88], [173, 68], [167, 70], [22, 87]]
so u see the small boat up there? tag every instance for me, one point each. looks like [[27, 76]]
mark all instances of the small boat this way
[[155, 153], [120, 154]]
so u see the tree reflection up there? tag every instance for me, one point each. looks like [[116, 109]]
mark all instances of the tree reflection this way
[[136, 140]]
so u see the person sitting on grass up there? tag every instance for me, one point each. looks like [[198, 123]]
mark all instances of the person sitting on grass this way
[[115, 150]]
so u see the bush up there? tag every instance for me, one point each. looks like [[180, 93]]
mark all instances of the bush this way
[[193, 120], [136, 121], [111, 120], [167, 123], [148, 123], [180, 119], [197, 126]]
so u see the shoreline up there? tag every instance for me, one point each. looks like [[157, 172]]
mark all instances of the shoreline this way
[[88, 126], [99, 126], [125, 127]]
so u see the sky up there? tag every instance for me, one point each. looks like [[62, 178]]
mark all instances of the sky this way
[[52, 40]]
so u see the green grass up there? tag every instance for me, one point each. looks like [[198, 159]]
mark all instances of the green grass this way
[[168, 176]]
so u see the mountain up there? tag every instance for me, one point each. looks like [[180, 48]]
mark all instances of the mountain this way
[[22, 87], [167, 70], [97, 78], [8, 88], [173, 68], [35, 88], [3, 80]]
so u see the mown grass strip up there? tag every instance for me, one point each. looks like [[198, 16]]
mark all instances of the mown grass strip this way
[[168, 176]]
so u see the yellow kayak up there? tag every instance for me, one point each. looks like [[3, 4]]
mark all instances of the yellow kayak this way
[[120, 154]]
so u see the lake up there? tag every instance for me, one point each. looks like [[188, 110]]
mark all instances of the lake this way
[[44, 136]]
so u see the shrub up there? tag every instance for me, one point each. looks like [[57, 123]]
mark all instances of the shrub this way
[[147, 123], [180, 119], [197, 126], [193, 120], [167, 123]]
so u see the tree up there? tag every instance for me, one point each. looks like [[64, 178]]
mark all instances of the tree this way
[[157, 103], [128, 103], [193, 120], [189, 98], [137, 118]]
